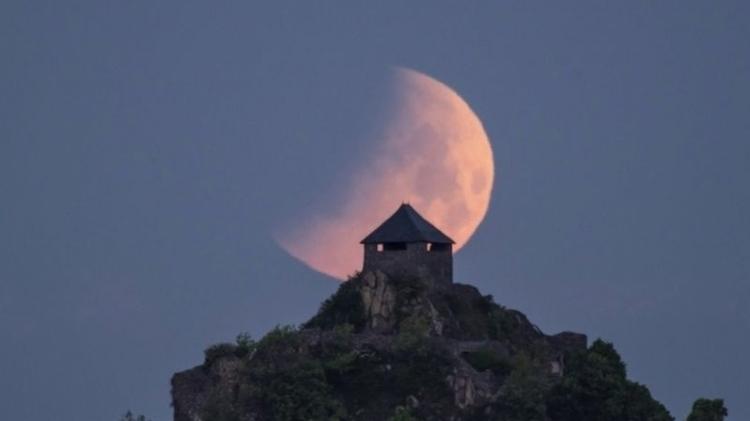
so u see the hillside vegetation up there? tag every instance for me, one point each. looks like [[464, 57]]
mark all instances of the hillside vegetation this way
[[383, 349]]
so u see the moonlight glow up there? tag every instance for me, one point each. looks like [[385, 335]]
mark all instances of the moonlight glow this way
[[435, 155]]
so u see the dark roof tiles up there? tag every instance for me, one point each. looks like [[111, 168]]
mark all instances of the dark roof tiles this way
[[406, 226]]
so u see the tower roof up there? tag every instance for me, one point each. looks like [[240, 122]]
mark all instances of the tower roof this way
[[406, 226]]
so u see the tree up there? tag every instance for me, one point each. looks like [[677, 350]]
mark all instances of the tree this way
[[522, 396], [708, 410], [595, 388]]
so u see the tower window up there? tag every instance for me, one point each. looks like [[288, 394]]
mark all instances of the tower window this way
[[437, 247], [380, 247]]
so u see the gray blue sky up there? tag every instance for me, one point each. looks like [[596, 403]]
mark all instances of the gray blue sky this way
[[149, 149]]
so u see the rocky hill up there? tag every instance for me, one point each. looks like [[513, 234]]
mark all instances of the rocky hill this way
[[401, 349]]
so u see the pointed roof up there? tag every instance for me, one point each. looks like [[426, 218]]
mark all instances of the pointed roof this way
[[406, 226]]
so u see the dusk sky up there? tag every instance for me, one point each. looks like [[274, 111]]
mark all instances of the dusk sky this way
[[149, 151]]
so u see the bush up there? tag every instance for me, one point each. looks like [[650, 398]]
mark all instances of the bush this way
[[487, 359], [281, 378], [522, 396], [474, 314], [243, 347], [343, 307], [708, 410], [218, 351], [280, 336], [501, 324], [301, 392], [413, 335], [246, 345]]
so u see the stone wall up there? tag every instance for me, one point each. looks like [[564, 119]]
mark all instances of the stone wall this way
[[413, 262]]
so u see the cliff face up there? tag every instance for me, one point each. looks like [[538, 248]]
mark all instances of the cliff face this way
[[384, 348]]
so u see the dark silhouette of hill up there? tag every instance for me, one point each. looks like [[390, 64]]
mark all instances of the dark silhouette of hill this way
[[403, 349]]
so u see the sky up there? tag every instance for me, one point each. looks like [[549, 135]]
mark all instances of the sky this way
[[148, 151]]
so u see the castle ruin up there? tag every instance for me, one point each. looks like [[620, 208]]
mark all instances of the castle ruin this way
[[407, 245]]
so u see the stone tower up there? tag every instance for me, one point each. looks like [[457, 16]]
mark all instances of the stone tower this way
[[407, 245]]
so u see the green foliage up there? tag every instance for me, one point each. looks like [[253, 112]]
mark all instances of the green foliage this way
[[402, 413], [595, 388], [334, 373], [501, 323], [129, 416], [280, 341], [218, 351], [421, 374], [604, 354], [300, 392], [337, 354], [246, 345], [417, 365], [341, 363], [343, 334], [522, 395], [708, 410], [413, 335], [343, 307], [634, 403], [281, 378], [472, 315], [488, 359]]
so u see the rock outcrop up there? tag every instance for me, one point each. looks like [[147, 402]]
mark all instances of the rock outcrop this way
[[379, 301], [382, 348]]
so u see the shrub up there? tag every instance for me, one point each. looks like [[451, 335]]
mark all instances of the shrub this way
[[501, 323], [488, 359], [301, 392], [343, 307], [278, 336], [344, 332], [279, 344], [473, 313], [246, 345], [522, 395], [218, 351], [708, 410], [412, 335]]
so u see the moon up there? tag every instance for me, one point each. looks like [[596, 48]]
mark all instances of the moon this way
[[433, 153]]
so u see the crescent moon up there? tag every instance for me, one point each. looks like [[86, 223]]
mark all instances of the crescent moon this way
[[434, 154]]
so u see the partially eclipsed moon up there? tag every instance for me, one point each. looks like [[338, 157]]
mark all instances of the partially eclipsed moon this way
[[434, 155]]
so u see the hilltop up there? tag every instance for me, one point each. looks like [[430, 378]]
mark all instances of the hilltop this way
[[399, 348]]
